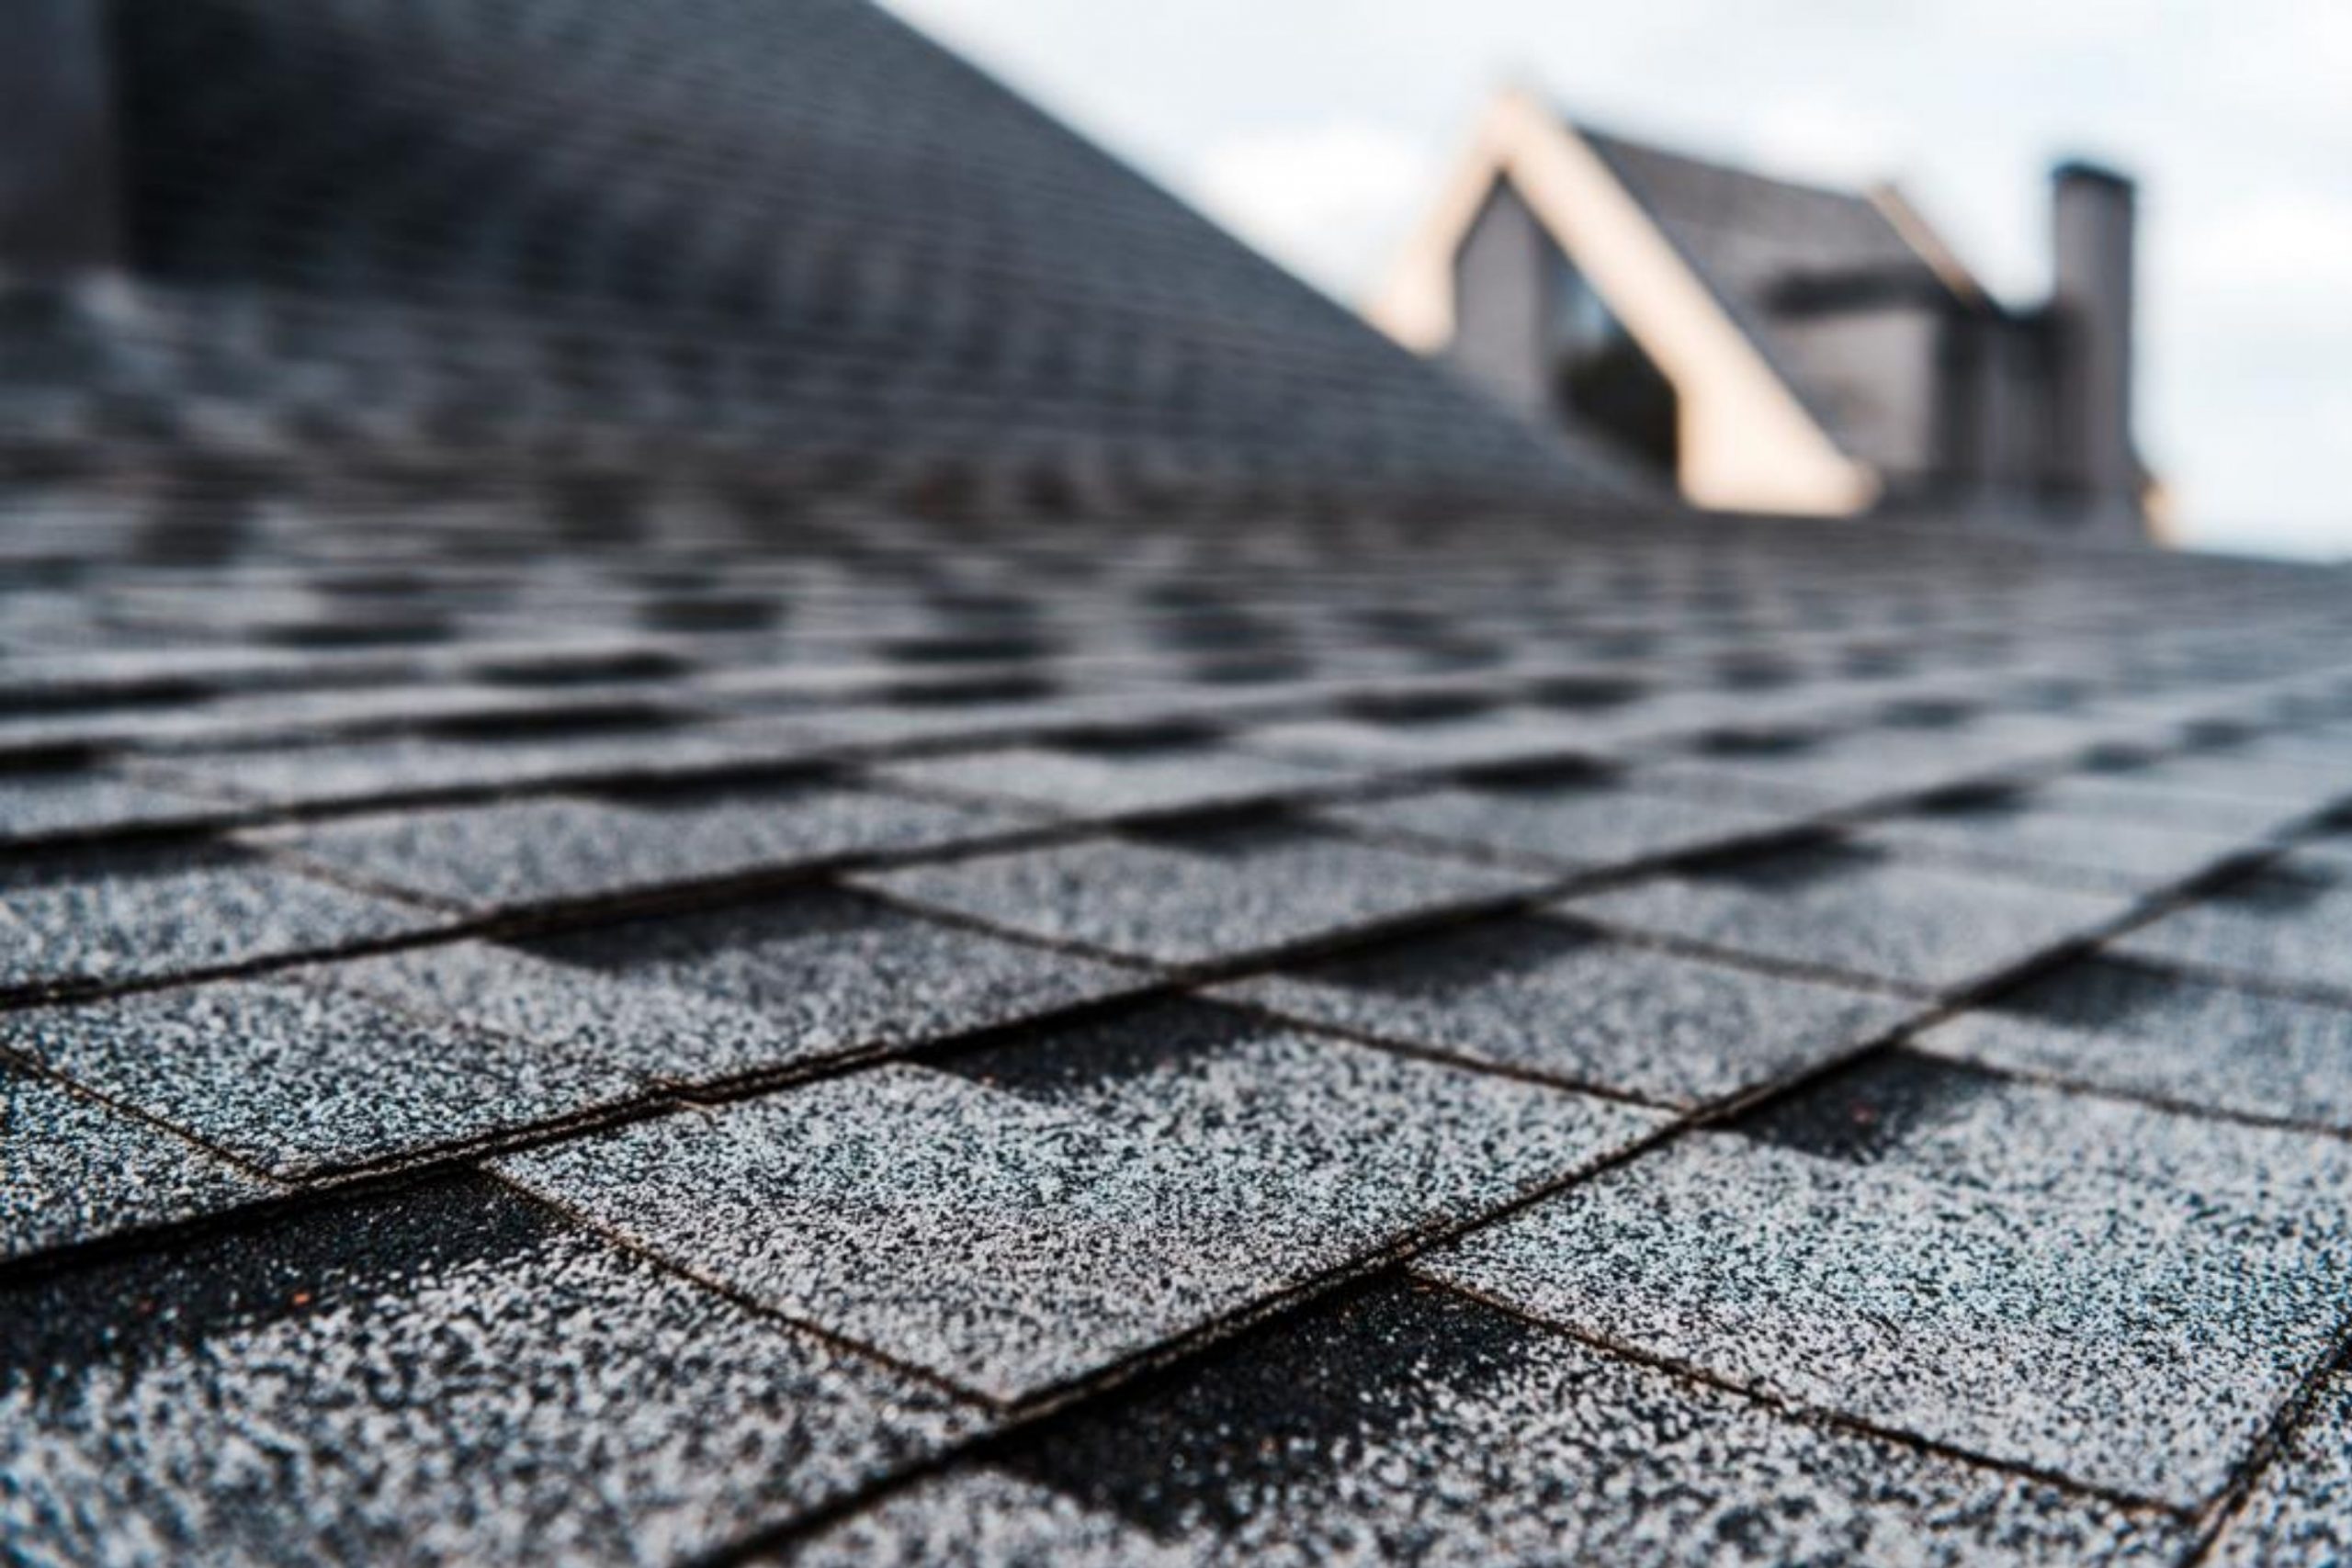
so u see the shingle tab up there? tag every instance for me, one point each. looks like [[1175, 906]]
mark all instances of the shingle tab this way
[[77, 1170], [2155, 797], [1221, 892], [2089, 1287], [781, 982], [314, 773], [1860, 912], [58, 802], [1548, 997], [2018, 837], [1083, 1198], [2119, 1026], [527, 853], [118, 917], [1574, 821], [443, 1376], [1107, 780], [1406, 741], [297, 1078], [1808, 770], [1414, 1425], [2300, 1510], [2290, 926]]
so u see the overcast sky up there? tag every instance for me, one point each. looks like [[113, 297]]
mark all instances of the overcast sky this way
[[1319, 127]]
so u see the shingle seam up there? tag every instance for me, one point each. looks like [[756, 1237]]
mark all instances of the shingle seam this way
[[2224, 1510], [1395, 1046], [33, 1067], [622, 1241], [662, 894], [1172, 1354], [1813, 1414], [331, 1184]]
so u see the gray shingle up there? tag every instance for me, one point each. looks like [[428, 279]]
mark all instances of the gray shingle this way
[[2068, 848], [78, 1171], [2117, 1026], [2300, 785], [44, 804], [2155, 797], [297, 1078], [1414, 1425], [1806, 770], [2089, 1288], [1860, 912], [355, 772], [524, 853], [1442, 740], [1588, 822], [782, 982], [2291, 925], [1089, 1196], [2301, 1510], [1209, 894], [119, 917], [1547, 998], [444, 1376], [1107, 781]]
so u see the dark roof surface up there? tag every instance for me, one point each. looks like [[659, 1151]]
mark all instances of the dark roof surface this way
[[792, 232], [1540, 1036], [577, 992]]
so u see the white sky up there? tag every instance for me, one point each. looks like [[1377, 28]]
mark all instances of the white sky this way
[[1318, 128]]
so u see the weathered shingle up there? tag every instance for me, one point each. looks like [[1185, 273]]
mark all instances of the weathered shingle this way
[[527, 853], [2138, 1030], [297, 1078], [2289, 926], [1570, 818], [1860, 912], [440, 1376], [2084, 1287], [1218, 891], [1114, 779], [78, 1171], [1416, 1424], [1074, 1200], [115, 917], [2301, 1508], [1551, 999]]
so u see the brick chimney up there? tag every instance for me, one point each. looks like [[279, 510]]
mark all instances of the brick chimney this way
[[2094, 458]]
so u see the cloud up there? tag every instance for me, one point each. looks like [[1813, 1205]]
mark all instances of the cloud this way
[[1328, 200]]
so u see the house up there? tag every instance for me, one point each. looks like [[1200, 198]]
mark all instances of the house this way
[[1777, 347]]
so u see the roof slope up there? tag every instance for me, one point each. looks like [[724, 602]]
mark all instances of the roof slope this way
[[634, 1019], [795, 224], [1757, 241], [893, 1040]]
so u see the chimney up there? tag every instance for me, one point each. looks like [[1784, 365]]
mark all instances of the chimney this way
[[2091, 231], [58, 197]]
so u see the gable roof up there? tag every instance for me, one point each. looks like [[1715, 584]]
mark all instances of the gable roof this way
[[1751, 440], [1763, 243]]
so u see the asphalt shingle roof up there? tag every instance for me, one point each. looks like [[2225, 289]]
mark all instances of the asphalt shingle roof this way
[[582, 997]]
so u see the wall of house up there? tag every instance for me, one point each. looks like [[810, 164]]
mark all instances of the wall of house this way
[[1502, 315], [1875, 364]]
